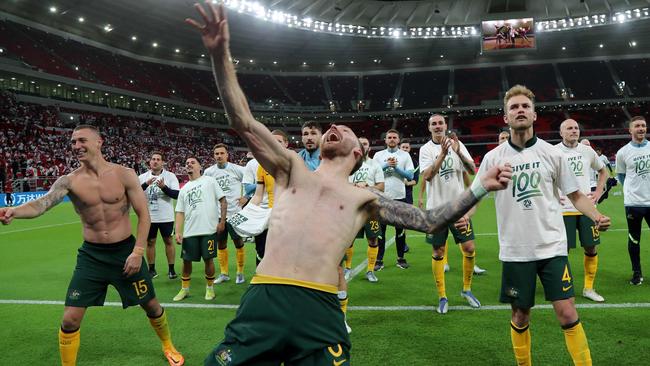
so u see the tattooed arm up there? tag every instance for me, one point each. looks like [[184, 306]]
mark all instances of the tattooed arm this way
[[407, 216], [39, 206]]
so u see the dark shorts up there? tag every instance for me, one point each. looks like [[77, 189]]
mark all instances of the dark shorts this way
[[166, 229], [199, 247], [229, 231], [440, 238], [278, 323], [519, 279], [588, 232], [99, 265], [370, 229]]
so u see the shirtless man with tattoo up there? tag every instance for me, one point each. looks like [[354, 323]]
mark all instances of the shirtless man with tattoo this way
[[291, 313], [102, 194]]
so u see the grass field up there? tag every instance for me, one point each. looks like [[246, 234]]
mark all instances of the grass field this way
[[393, 321]]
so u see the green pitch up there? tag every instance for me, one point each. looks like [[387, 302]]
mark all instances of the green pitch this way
[[37, 258]]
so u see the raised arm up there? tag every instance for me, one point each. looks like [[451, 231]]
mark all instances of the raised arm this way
[[429, 221], [39, 206], [216, 37]]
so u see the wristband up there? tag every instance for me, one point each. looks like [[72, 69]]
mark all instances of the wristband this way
[[138, 250], [477, 189]]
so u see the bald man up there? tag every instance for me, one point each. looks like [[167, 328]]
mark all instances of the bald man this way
[[583, 161]]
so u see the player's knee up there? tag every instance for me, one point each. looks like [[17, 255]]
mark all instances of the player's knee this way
[[468, 249], [151, 242], [520, 317], [222, 245], [71, 322], [152, 308]]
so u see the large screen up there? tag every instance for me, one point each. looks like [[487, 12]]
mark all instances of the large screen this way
[[508, 34]]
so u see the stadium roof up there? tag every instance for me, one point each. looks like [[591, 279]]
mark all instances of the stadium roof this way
[[135, 25]]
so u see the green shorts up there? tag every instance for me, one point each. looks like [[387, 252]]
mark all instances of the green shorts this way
[[518, 281], [371, 229], [589, 234], [197, 247], [440, 238], [278, 323], [99, 265], [228, 231]]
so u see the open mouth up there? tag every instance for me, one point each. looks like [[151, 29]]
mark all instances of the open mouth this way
[[333, 137]]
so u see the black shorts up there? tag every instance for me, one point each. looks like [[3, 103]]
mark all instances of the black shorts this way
[[100, 265], [166, 229]]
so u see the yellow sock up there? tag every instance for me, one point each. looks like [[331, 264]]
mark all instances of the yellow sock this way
[[161, 327], [240, 260], [372, 257], [185, 282], [343, 299], [222, 256], [438, 269], [521, 343], [591, 267], [576, 343], [69, 347], [209, 281], [348, 257], [445, 261], [468, 268]]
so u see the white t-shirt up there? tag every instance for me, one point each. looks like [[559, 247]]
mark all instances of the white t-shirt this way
[[529, 215], [448, 183], [199, 201], [250, 174], [161, 207], [394, 183], [370, 172], [583, 161], [230, 180], [634, 162]]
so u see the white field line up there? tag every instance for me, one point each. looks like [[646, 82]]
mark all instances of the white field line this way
[[360, 308], [364, 265], [3, 232]]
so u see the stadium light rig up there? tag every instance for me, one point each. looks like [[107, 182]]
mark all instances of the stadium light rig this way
[[293, 21], [257, 10], [589, 21]]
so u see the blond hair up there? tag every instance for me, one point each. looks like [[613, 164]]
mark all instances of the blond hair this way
[[515, 91]]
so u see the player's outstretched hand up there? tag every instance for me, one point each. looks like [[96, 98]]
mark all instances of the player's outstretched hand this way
[[6, 215], [497, 177], [132, 264], [603, 222], [214, 33]]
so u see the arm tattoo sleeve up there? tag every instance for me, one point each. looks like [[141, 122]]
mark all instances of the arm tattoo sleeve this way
[[407, 216], [53, 197]]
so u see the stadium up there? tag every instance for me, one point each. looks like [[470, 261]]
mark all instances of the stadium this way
[[142, 76]]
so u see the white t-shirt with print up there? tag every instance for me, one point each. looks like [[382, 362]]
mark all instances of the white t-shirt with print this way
[[529, 214], [199, 201], [161, 206]]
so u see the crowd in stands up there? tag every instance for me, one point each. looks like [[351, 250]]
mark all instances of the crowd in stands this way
[[34, 141], [422, 89]]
